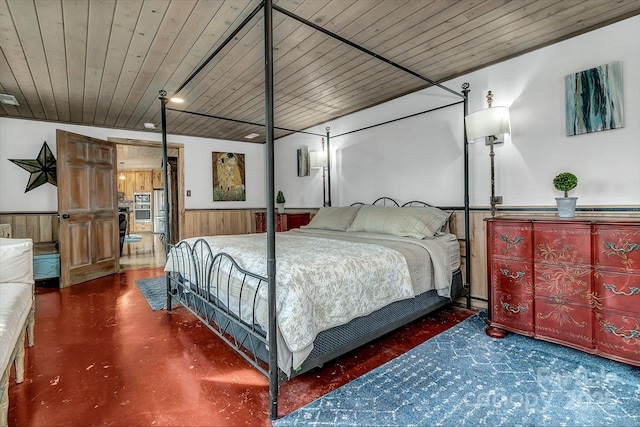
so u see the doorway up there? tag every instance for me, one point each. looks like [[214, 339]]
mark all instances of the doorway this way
[[140, 178]]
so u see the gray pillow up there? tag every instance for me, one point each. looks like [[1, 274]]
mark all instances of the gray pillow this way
[[416, 222], [333, 218]]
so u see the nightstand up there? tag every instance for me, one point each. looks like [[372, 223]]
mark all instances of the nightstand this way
[[284, 222]]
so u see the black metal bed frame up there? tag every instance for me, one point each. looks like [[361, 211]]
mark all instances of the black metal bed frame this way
[[227, 319], [200, 281]]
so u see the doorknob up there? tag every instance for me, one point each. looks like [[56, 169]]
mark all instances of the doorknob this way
[[66, 216]]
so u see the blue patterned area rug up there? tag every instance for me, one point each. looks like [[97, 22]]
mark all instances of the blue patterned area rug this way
[[154, 290], [464, 377]]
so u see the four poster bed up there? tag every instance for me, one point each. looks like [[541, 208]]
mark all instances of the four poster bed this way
[[352, 275]]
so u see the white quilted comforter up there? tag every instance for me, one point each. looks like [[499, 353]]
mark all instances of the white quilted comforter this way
[[323, 281]]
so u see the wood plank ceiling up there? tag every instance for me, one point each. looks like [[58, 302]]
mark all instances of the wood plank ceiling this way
[[103, 62]]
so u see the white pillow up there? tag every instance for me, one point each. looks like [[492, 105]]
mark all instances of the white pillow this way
[[16, 261], [416, 222], [333, 218]]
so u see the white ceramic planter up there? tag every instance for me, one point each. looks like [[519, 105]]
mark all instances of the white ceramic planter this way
[[566, 206]]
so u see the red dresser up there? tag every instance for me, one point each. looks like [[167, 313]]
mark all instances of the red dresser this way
[[574, 282]]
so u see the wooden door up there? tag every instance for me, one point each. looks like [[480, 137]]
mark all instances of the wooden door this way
[[88, 208]]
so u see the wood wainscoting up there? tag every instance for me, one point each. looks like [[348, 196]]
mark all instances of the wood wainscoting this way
[[40, 227], [214, 222], [206, 222]]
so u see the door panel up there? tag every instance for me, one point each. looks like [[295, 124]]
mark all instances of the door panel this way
[[103, 198], [104, 251], [79, 244], [87, 203]]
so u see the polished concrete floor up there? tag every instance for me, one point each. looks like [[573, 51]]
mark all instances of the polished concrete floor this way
[[148, 252], [103, 357]]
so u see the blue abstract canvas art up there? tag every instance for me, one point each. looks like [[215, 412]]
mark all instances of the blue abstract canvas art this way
[[594, 100]]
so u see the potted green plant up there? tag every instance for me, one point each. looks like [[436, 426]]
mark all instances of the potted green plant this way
[[280, 201], [566, 182]]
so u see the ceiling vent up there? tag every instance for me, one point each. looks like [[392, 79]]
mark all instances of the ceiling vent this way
[[8, 99]]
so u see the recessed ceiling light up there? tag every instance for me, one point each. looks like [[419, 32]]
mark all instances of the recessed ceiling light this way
[[149, 126], [8, 99], [252, 135], [177, 100]]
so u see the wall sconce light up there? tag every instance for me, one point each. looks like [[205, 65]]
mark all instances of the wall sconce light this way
[[490, 122], [319, 159]]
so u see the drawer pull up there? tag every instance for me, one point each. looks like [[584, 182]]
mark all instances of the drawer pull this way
[[608, 327], [632, 290], [513, 241], [625, 249], [518, 275], [513, 308]]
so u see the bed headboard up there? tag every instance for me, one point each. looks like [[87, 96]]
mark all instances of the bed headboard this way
[[388, 201]]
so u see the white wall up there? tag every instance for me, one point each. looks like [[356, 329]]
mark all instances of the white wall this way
[[22, 139], [421, 158]]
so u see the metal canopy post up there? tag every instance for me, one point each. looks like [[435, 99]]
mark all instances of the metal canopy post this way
[[167, 233], [328, 203], [467, 246], [165, 170], [271, 219]]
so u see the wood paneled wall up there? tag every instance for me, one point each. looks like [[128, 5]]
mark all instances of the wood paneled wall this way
[[41, 227], [215, 222]]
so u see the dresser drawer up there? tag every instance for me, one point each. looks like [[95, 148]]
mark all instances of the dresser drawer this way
[[618, 247], [512, 276], [618, 337], [617, 291], [562, 243], [512, 240], [564, 322], [513, 312], [563, 282]]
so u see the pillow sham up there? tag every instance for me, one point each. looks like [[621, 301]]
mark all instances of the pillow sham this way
[[416, 222], [333, 218]]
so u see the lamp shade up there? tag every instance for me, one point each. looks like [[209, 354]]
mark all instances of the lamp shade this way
[[487, 122], [318, 159]]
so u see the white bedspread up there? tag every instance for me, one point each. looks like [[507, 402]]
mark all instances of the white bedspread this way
[[323, 282]]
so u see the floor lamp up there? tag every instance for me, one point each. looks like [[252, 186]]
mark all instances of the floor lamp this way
[[490, 122]]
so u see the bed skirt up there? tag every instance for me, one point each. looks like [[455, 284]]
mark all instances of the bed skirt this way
[[341, 339]]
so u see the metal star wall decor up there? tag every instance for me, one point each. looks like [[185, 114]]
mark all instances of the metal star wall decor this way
[[43, 169]]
